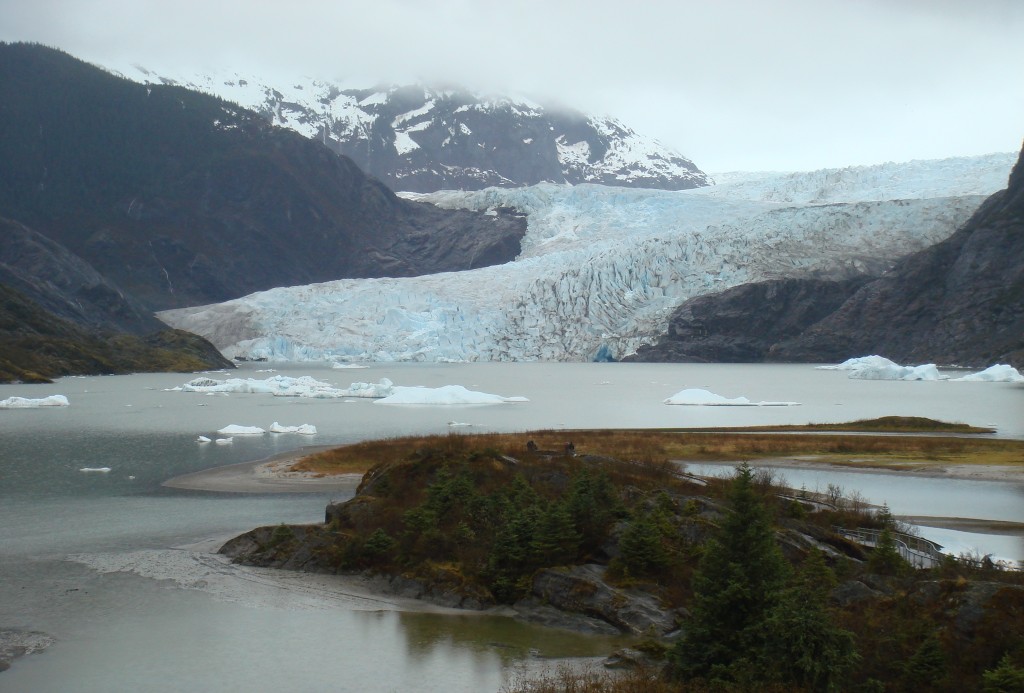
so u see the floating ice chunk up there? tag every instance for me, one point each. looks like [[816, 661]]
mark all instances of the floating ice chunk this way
[[224, 441], [28, 403], [697, 397], [304, 429], [236, 430], [927, 371], [999, 373], [101, 470], [385, 388], [458, 424], [859, 363], [881, 368], [338, 364], [202, 439], [444, 395]]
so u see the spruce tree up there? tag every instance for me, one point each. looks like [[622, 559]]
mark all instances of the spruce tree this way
[[803, 646], [736, 585]]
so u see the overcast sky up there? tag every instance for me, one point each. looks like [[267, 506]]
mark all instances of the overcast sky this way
[[732, 84]]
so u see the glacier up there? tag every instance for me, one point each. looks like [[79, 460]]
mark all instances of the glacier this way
[[602, 268]]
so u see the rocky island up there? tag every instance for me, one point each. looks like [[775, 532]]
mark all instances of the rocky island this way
[[607, 535]]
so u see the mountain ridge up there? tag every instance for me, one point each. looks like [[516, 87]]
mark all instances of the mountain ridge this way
[[422, 138], [180, 198]]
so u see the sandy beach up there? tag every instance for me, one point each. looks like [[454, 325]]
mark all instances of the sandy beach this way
[[269, 475]]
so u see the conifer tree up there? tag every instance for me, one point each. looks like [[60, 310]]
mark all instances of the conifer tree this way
[[802, 644], [735, 586]]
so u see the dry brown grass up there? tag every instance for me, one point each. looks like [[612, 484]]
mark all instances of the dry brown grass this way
[[655, 447]]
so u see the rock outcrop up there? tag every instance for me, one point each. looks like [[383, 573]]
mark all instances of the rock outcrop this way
[[958, 302], [742, 324]]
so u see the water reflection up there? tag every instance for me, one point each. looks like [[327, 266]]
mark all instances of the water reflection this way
[[500, 636]]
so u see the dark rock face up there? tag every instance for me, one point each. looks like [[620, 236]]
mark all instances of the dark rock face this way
[[582, 589], [179, 198], [37, 345], [64, 284], [959, 302], [742, 324]]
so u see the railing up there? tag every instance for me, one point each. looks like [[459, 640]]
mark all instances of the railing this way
[[918, 552]]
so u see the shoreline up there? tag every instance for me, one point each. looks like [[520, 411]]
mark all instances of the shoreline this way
[[274, 475], [268, 475], [931, 470]]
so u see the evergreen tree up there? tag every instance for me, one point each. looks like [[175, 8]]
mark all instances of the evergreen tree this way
[[555, 540], [802, 644], [1004, 678], [643, 553], [736, 585]]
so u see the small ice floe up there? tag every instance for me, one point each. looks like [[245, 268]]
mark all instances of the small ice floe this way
[[696, 397], [29, 403], [444, 395], [881, 368], [202, 439], [101, 470], [224, 441], [338, 364], [458, 424], [999, 373], [304, 429], [236, 430]]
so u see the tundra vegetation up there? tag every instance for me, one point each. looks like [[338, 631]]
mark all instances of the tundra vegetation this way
[[766, 592]]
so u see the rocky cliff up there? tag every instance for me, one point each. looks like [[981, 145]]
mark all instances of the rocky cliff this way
[[180, 198], [742, 324], [959, 301]]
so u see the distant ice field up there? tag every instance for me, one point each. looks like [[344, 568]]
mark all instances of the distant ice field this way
[[602, 268]]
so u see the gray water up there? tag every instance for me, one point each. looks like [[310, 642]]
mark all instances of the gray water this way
[[105, 563]]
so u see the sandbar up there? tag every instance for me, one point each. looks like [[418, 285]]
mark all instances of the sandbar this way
[[268, 475]]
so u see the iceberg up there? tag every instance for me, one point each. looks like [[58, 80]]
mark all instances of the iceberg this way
[[28, 403], [860, 362], [236, 430], [999, 373], [224, 441], [304, 429], [881, 368], [99, 470], [202, 439], [697, 397], [285, 386], [444, 395]]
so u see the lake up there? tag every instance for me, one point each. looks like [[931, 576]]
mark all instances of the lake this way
[[109, 563]]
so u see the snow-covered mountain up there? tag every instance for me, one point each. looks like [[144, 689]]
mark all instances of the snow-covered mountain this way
[[602, 268], [420, 138]]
